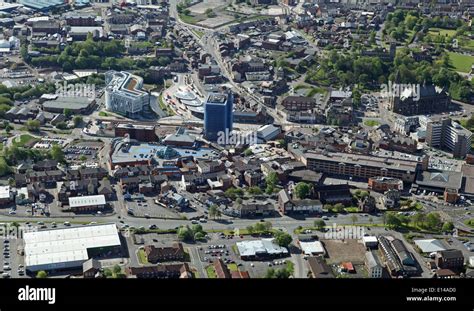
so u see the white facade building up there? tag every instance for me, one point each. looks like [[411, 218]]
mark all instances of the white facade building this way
[[124, 94]]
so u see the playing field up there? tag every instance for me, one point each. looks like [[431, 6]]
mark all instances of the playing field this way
[[461, 62], [441, 32]]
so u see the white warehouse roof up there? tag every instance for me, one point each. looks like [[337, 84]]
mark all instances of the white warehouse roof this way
[[430, 245], [90, 200], [263, 246], [312, 247], [60, 246]]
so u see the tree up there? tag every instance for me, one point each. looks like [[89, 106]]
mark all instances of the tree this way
[[57, 153], [283, 239], [254, 190], [393, 221], [270, 273], [233, 193], [319, 224], [250, 229], [269, 189], [354, 219], [418, 219], [33, 125], [448, 226], [248, 152], [267, 226], [198, 236], [77, 120], [61, 125], [283, 273], [338, 208], [433, 221], [41, 274], [114, 273], [213, 211], [302, 190], [116, 269], [197, 228], [371, 220], [185, 234], [67, 112], [272, 179], [5, 169]]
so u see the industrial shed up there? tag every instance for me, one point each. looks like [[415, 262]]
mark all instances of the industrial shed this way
[[69, 248]]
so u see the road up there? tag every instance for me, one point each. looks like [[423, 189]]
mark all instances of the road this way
[[290, 224], [207, 42], [194, 254]]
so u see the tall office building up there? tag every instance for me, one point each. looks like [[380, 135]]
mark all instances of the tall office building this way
[[218, 115], [448, 134]]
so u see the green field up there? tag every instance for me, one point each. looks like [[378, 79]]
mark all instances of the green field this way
[[232, 267], [469, 222], [23, 140], [371, 123], [189, 19], [441, 32], [211, 272], [142, 256], [461, 62], [466, 43]]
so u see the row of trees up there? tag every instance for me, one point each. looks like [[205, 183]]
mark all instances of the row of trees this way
[[214, 212], [13, 155], [431, 221], [400, 22], [190, 234], [260, 228], [94, 54], [341, 70], [282, 273], [271, 182], [371, 72]]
